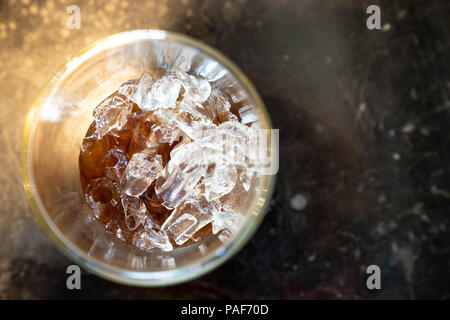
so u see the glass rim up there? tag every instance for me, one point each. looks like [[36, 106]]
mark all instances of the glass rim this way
[[102, 269]]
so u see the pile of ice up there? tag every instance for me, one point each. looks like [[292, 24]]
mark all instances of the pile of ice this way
[[210, 171]]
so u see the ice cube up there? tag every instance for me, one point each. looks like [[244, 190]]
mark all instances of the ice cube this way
[[181, 226], [190, 216], [173, 187], [105, 212], [101, 191], [236, 129], [217, 106], [115, 161], [246, 176], [164, 134], [225, 220], [235, 199], [225, 115], [180, 119], [163, 94], [135, 212], [121, 138], [129, 89], [248, 114], [186, 157], [111, 114], [143, 88], [236, 142], [150, 238], [141, 171], [184, 121], [141, 139], [174, 118], [197, 89], [220, 181], [195, 109], [203, 132]]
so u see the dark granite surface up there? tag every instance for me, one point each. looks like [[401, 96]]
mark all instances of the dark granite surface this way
[[364, 139]]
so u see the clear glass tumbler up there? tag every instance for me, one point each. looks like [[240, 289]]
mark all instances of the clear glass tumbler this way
[[56, 126]]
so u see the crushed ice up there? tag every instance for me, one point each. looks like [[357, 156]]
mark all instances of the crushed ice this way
[[210, 171]]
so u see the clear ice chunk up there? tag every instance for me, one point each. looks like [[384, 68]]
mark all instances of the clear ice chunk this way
[[115, 161], [235, 199], [164, 134], [219, 181], [135, 212], [186, 157], [141, 171], [225, 220], [204, 132], [195, 109], [176, 118], [102, 191], [196, 89], [184, 121], [129, 89], [248, 114], [181, 226], [189, 217], [111, 114], [149, 239], [173, 187], [218, 107], [141, 139], [235, 129], [143, 88], [163, 94], [235, 140], [224, 116], [246, 175]]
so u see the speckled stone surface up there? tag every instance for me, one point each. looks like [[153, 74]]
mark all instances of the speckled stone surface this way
[[364, 141]]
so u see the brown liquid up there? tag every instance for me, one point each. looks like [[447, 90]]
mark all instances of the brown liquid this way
[[101, 183]]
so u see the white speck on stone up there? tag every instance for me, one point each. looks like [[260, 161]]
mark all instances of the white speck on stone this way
[[396, 156], [409, 127], [424, 131], [382, 198], [362, 107], [298, 202], [401, 14], [386, 27], [413, 94]]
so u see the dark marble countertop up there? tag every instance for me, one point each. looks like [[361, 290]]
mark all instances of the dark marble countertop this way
[[364, 142]]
